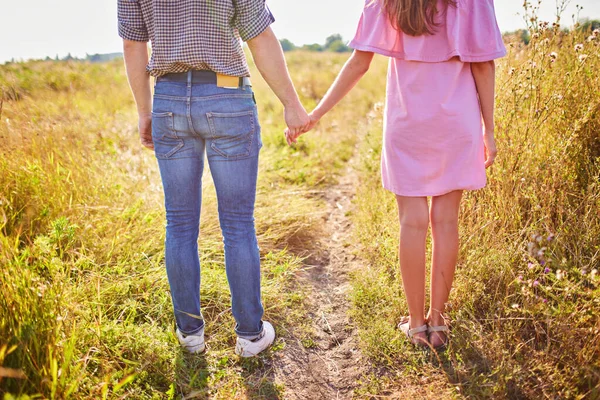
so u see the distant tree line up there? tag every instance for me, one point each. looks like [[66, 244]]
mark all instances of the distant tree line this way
[[334, 43], [95, 58], [589, 25], [585, 25]]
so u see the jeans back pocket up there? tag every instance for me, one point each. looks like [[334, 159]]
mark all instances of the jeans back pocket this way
[[164, 136], [232, 134]]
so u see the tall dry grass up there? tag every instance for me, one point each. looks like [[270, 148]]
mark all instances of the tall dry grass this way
[[85, 310]]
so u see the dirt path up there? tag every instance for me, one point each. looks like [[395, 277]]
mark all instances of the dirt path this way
[[331, 367]]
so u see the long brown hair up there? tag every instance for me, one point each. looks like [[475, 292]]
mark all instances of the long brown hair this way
[[414, 17]]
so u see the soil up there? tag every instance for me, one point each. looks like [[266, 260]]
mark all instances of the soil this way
[[331, 367]]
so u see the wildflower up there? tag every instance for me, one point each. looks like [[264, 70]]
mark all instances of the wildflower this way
[[560, 275], [530, 265], [545, 301], [583, 57], [539, 239], [591, 38], [515, 306], [540, 253], [554, 55], [520, 278], [593, 274], [542, 262], [512, 71], [584, 272], [579, 47], [551, 237], [596, 32], [546, 270], [536, 283], [535, 36]]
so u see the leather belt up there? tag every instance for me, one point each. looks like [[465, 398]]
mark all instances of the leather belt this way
[[206, 77]]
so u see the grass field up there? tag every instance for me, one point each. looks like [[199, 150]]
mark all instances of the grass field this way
[[85, 310]]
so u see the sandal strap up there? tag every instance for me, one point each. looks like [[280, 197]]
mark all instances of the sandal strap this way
[[421, 329], [442, 328]]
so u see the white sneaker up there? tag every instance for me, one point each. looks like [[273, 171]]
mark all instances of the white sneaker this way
[[192, 343], [250, 348]]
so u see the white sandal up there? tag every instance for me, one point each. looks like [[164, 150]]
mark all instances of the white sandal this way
[[439, 329], [404, 326]]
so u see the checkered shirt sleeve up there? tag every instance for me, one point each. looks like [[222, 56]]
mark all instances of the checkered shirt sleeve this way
[[252, 17], [131, 21]]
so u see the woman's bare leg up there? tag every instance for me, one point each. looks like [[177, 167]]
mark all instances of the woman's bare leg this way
[[444, 228], [414, 223]]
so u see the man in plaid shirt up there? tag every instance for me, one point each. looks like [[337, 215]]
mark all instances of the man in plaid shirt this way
[[203, 105]]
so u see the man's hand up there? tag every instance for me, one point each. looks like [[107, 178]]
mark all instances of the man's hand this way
[[145, 128], [293, 138], [297, 120]]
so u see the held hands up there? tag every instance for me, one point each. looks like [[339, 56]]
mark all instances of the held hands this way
[[292, 135], [145, 129], [297, 120]]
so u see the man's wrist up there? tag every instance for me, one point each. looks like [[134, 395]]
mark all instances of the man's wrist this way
[[292, 103]]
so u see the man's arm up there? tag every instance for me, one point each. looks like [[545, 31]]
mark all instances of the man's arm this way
[[268, 56], [136, 59]]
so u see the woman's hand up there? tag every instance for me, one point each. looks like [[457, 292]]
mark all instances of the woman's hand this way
[[490, 148]]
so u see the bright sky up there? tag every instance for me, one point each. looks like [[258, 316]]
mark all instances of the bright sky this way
[[40, 28]]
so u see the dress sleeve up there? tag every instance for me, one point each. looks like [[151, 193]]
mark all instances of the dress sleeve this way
[[131, 21], [375, 32], [252, 17], [477, 36], [468, 30]]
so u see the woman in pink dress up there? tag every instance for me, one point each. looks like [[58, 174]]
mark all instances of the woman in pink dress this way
[[438, 130]]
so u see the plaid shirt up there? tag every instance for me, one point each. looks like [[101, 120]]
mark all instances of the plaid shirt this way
[[194, 34]]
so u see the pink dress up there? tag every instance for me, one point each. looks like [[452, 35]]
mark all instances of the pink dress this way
[[433, 132]]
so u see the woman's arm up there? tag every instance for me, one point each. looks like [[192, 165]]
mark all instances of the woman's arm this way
[[354, 69], [485, 80]]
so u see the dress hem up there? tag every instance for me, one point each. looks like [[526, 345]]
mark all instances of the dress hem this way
[[467, 58], [432, 194]]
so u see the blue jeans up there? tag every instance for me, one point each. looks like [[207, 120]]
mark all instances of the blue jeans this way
[[189, 120]]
